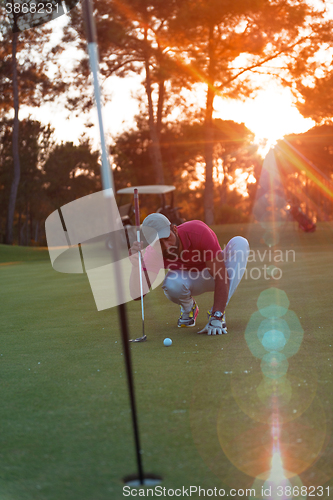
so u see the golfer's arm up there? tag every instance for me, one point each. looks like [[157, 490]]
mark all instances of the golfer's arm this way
[[218, 270]]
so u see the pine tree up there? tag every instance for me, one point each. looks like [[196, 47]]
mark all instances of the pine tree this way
[[23, 80], [224, 43]]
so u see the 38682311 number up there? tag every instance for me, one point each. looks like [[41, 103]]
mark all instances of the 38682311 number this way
[[302, 491], [31, 8]]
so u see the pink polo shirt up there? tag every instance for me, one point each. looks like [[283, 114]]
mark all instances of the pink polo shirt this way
[[200, 244]]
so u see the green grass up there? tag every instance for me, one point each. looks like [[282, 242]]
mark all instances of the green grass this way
[[17, 254], [65, 417]]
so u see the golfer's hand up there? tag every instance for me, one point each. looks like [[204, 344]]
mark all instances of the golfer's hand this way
[[214, 327], [134, 253]]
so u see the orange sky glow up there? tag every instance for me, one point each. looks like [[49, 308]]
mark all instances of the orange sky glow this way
[[270, 115]]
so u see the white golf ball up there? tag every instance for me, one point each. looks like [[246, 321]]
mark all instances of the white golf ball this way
[[167, 342]]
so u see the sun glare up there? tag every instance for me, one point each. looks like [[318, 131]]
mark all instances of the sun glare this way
[[270, 116]]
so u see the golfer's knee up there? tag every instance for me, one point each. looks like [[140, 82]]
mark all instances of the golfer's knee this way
[[243, 245], [238, 249], [173, 288]]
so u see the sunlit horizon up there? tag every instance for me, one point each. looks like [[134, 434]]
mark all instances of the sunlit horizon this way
[[270, 115]]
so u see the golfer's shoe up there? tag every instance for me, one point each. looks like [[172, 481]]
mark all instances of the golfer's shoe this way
[[187, 319]]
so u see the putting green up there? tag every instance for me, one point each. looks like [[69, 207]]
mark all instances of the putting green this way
[[203, 405]]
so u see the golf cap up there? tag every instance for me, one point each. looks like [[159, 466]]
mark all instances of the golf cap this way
[[157, 225]]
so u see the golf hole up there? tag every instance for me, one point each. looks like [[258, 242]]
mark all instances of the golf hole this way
[[133, 480]]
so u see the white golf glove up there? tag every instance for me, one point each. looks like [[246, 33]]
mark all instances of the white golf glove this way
[[215, 326]]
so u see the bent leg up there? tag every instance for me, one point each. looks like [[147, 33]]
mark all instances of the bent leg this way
[[180, 286], [235, 258]]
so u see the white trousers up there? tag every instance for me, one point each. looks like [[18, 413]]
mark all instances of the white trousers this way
[[181, 285]]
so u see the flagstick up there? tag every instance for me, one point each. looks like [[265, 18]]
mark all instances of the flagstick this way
[[137, 223], [107, 182]]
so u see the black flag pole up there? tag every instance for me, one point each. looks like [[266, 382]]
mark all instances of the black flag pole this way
[[107, 182]]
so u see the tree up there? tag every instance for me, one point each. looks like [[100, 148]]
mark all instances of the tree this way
[[183, 148], [316, 99], [306, 163], [35, 143], [220, 45], [23, 80], [70, 172], [15, 146], [131, 36], [51, 175], [225, 42]]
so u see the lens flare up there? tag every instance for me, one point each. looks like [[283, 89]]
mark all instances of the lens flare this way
[[255, 394], [273, 340], [272, 425], [274, 365], [273, 303]]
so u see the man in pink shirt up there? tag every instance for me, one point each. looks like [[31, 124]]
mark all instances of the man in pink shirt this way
[[196, 264]]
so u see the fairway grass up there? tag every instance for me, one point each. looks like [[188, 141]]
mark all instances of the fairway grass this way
[[65, 415]]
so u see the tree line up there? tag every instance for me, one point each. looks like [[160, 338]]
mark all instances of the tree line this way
[[306, 165], [54, 174], [51, 175], [176, 47]]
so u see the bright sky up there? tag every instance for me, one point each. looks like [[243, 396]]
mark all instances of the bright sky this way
[[118, 113], [270, 115]]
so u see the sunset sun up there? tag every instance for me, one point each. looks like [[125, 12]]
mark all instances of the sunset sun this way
[[270, 115]]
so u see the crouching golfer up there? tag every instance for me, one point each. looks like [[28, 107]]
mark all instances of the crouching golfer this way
[[196, 264]]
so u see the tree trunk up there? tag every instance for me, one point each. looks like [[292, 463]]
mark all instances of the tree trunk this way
[[161, 94], [27, 217], [22, 233], [155, 147], [37, 232], [224, 186], [19, 227], [16, 158], [209, 138]]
